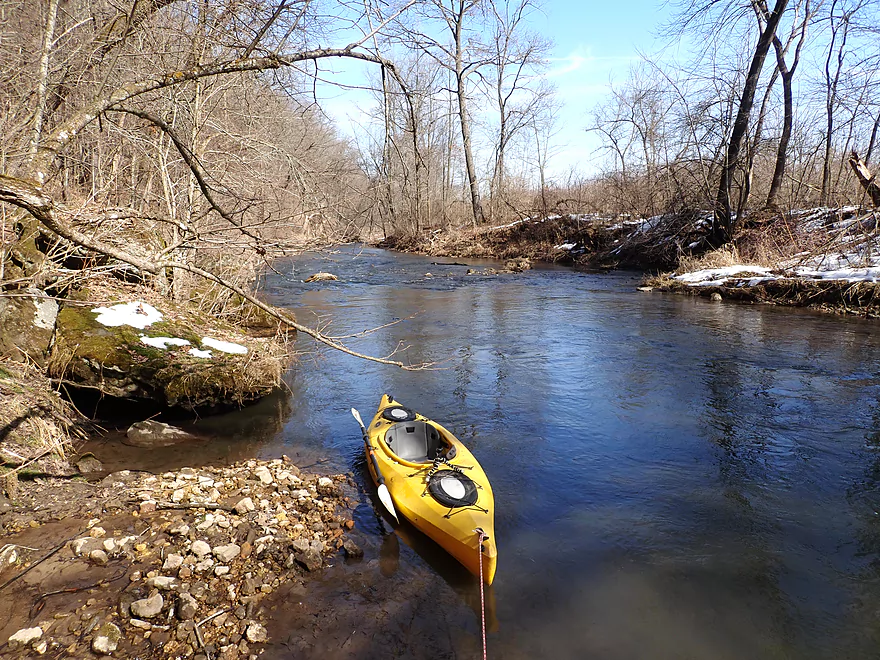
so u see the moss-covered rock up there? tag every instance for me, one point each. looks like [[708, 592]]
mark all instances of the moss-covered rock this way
[[167, 360]]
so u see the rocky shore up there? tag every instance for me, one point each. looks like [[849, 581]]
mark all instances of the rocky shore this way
[[163, 566]]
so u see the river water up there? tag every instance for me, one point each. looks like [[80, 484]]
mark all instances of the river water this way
[[674, 478]]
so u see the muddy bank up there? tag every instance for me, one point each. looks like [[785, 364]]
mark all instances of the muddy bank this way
[[172, 565]]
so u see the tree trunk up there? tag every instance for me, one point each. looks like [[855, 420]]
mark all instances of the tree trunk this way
[[722, 226], [788, 117], [461, 92], [868, 180]]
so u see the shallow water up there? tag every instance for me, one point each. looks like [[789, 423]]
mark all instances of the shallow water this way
[[674, 478]]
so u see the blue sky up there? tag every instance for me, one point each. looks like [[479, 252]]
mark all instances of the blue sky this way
[[593, 43]]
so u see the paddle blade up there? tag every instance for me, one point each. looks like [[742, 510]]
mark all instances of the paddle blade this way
[[357, 416], [385, 498]]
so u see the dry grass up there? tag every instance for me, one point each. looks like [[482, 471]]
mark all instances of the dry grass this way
[[38, 429]]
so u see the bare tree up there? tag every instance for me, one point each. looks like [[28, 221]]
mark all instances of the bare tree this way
[[723, 225], [786, 73]]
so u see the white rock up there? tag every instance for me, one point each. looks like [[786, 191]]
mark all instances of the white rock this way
[[200, 548], [227, 553], [172, 562], [179, 530], [256, 633], [24, 637], [107, 639], [97, 532], [162, 582], [244, 505], [323, 482], [99, 557], [221, 570], [178, 495], [262, 473], [147, 608], [205, 565]]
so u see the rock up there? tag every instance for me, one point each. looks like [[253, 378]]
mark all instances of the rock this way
[[645, 289], [24, 637], [172, 562], [8, 555], [148, 506], [300, 545], [321, 277], [249, 587], [179, 530], [106, 639], [715, 296], [220, 571], [88, 463], [28, 325], [310, 559], [517, 265], [244, 505], [226, 553], [97, 532], [256, 633], [324, 482], [262, 473], [99, 557], [352, 549], [147, 608], [162, 582], [111, 355], [200, 548], [150, 434], [187, 606]]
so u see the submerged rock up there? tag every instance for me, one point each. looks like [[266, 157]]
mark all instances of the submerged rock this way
[[321, 277], [150, 434], [106, 639]]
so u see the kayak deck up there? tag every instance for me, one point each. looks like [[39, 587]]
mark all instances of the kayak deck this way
[[436, 483]]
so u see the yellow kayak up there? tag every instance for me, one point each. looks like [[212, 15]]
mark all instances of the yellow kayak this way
[[435, 482]]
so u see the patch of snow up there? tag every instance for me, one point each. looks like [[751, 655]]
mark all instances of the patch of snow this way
[[137, 314], [163, 342], [565, 246], [871, 274], [711, 276], [225, 346], [195, 352]]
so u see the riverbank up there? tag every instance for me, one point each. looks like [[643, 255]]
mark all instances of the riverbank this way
[[823, 258], [170, 565]]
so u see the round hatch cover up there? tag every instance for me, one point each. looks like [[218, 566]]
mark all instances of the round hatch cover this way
[[453, 489], [398, 414]]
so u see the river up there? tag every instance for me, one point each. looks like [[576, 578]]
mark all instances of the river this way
[[674, 477]]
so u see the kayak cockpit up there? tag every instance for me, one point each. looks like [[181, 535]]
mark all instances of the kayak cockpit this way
[[415, 441]]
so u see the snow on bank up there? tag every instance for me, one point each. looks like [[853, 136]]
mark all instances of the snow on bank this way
[[137, 314], [163, 342], [719, 276], [225, 346]]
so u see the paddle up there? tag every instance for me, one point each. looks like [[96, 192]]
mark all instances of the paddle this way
[[384, 495]]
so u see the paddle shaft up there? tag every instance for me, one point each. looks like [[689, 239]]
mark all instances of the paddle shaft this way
[[384, 495]]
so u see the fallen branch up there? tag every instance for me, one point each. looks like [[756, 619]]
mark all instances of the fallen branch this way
[[30, 197]]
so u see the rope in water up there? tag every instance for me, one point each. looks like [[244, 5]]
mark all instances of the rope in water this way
[[482, 536]]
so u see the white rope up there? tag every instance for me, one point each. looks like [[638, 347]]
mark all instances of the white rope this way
[[482, 535]]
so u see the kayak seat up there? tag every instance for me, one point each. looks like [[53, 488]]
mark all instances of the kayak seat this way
[[414, 441]]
